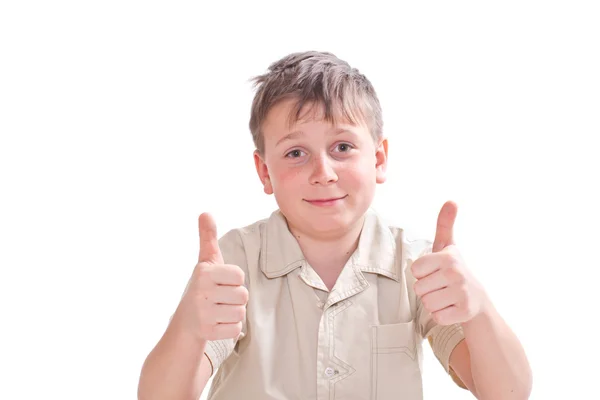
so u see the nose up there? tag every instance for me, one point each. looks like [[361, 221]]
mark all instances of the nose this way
[[322, 171]]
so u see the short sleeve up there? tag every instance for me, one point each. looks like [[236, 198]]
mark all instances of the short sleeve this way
[[232, 249], [442, 339]]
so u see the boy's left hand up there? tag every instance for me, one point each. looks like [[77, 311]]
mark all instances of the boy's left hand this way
[[446, 287]]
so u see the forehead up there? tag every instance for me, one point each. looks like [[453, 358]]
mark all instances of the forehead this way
[[285, 116]]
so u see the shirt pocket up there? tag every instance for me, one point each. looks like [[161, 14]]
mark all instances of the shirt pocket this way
[[395, 371]]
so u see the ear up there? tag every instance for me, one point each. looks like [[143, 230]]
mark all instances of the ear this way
[[381, 156], [263, 172]]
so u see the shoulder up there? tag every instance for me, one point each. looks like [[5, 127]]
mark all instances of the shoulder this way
[[237, 243], [406, 241], [236, 236]]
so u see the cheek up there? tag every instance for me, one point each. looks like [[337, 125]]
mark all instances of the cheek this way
[[285, 175], [360, 172]]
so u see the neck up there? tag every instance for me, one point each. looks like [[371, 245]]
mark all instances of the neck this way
[[328, 253]]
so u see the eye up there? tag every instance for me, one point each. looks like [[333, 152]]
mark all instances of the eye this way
[[344, 147], [294, 154]]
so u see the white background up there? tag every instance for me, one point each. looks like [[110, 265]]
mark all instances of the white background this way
[[121, 121]]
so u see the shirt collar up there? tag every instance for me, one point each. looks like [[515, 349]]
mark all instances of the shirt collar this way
[[376, 251]]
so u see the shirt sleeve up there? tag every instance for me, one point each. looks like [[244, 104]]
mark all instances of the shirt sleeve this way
[[232, 248], [442, 339]]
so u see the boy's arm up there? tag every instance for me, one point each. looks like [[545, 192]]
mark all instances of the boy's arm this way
[[460, 368], [456, 362], [489, 356], [491, 359], [181, 363], [176, 368]]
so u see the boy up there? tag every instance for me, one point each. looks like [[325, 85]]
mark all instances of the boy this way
[[322, 300]]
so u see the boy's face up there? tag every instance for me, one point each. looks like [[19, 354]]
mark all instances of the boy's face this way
[[323, 176]]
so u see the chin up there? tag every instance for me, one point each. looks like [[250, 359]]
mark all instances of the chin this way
[[324, 222]]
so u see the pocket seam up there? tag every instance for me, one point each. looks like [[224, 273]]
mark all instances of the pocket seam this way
[[409, 351]]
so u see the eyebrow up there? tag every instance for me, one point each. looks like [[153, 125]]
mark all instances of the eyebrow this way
[[296, 134], [289, 136]]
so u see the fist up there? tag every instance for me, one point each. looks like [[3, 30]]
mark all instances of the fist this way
[[445, 286], [214, 303]]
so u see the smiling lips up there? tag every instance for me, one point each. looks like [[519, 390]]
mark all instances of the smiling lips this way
[[327, 202]]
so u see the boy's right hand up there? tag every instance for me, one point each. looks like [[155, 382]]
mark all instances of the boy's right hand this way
[[214, 304]]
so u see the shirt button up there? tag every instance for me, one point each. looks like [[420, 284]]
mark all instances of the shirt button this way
[[329, 372], [320, 304]]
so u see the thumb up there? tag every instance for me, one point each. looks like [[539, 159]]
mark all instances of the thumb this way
[[444, 233], [209, 244]]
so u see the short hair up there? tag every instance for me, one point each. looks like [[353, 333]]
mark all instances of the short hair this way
[[314, 78]]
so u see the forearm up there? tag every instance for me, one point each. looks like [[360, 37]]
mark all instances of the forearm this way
[[499, 365], [176, 368]]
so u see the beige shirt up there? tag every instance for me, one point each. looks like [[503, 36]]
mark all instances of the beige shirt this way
[[361, 340]]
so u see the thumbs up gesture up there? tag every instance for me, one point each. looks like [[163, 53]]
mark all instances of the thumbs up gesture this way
[[446, 287], [214, 304]]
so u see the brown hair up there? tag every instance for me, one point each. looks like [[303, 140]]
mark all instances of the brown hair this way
[[315, 78]]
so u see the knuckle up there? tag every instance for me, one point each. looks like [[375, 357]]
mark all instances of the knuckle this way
[[238, 329], [240, 276], [449, 273], [416, 288], [245, 295], [454, 275], [227, 331], [240, 313], [451, 260], [419, 289], [414, 267], [455, 261], [464, 313], [426, 302]]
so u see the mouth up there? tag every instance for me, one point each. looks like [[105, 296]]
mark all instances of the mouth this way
[[326, 201]]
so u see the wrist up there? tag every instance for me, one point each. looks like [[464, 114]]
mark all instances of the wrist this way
[[180, 331], [484, 317]]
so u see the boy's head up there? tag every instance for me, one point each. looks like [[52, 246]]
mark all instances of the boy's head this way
[[317, 127]]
